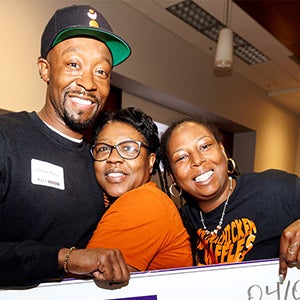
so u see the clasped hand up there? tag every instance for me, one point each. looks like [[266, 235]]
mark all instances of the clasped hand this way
[[106, 265]]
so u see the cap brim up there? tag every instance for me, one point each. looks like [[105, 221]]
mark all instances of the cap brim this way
[[118, 48]]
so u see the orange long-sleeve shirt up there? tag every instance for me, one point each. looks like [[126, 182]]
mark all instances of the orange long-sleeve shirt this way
[[145, 225]]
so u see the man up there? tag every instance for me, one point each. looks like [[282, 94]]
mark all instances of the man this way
[[50, 201]]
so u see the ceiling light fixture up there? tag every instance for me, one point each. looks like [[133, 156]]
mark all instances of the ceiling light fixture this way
[[224, 52], [195, 16]]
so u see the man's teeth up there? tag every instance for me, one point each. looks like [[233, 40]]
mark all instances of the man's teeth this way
[[204, 176], [82, 101], [114, 174]]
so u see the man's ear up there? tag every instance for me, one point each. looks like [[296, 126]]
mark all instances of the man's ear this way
[[44, 69]]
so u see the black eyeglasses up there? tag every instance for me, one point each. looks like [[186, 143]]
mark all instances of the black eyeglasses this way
[[127, 150]]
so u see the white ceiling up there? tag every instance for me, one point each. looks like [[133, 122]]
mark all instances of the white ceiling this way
[[279, 77]]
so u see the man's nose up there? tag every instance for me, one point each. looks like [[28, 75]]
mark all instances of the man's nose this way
[[87, 80]]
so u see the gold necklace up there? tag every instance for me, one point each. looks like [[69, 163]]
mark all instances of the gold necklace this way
[[219, 226]]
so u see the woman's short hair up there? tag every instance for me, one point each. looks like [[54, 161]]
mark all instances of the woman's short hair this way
[[134, 117]]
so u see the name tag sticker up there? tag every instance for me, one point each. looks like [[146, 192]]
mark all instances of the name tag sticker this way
[[47, 174]]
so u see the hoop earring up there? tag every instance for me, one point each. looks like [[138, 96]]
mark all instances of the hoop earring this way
[[231, 166], [178, 193]]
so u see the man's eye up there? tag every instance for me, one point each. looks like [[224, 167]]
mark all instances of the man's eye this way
[[101, 73], [74, 65]]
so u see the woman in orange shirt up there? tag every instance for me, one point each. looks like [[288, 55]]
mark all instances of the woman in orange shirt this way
[[142, 221]]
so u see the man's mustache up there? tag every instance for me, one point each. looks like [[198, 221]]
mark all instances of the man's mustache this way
[[84, 93]]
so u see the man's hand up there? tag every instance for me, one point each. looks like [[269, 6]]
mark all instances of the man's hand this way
[[289, 255], [104, 264]]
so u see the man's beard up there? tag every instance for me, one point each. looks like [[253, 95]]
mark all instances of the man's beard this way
[[77, 125], [71, 122]]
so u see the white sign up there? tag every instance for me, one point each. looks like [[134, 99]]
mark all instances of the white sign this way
[[252, 280]]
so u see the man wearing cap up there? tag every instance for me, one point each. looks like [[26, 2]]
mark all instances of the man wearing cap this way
[[50, 202]]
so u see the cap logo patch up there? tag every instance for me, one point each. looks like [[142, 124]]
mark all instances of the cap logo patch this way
[[93, 16]]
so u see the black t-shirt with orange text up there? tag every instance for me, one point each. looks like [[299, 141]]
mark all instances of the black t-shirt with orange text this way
[[260, 207]]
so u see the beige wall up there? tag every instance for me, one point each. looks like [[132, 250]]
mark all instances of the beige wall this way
[[157, 112], [161, 61]]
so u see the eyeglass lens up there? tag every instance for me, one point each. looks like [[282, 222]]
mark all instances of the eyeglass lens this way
[[126, 149]]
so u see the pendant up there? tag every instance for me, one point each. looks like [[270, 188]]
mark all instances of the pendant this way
[[219, 226], [213, 232]]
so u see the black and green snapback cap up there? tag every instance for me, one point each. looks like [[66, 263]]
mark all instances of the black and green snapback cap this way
[[83, 21]]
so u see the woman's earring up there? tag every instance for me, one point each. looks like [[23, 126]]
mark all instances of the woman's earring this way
[[178, 192], [231, 166], [106, 201]]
